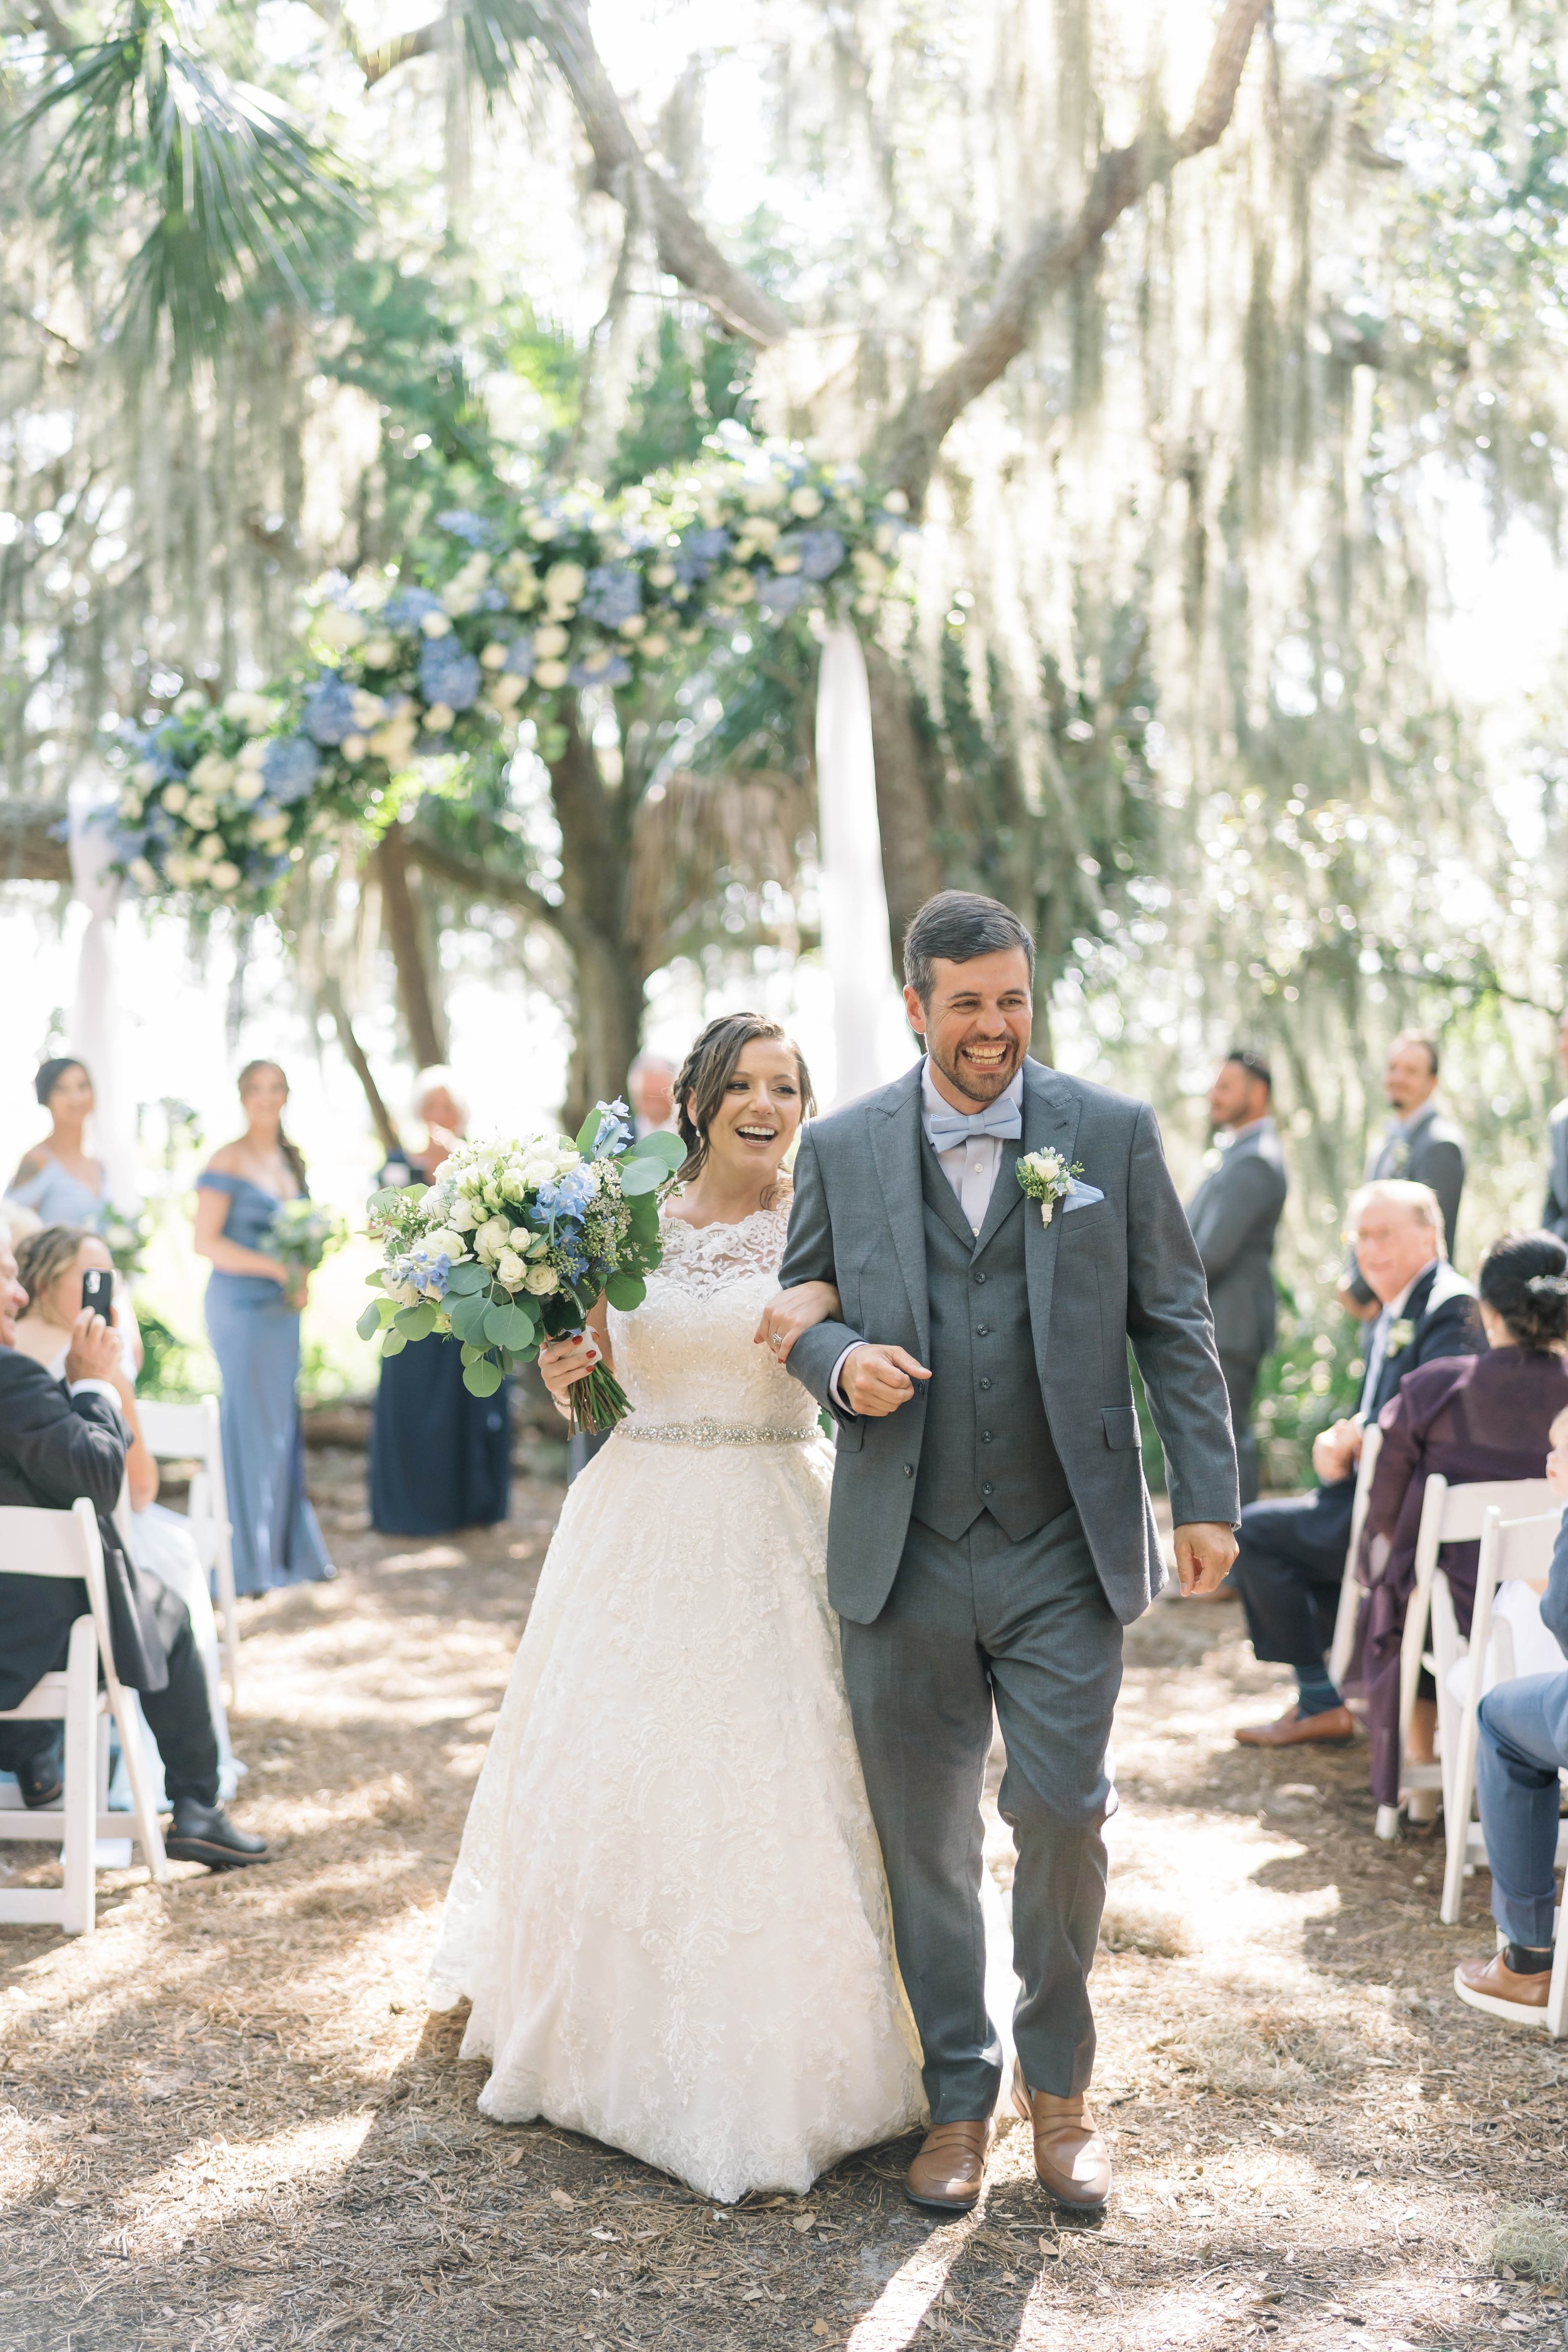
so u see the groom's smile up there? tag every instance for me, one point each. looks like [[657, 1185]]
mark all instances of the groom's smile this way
[[975, 1021]]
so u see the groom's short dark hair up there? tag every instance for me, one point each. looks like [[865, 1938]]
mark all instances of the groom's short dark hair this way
[[958, 926]]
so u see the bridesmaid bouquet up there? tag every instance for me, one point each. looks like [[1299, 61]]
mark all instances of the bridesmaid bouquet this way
[[513, 1242], [301, 1234]]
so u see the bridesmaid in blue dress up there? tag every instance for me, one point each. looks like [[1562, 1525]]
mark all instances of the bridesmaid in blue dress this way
[[253, 1321], [57, 1179]]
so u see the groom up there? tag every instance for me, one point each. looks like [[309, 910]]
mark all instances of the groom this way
[[991, 1533]]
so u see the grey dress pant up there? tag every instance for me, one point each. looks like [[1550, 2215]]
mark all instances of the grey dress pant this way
[[1026, 1625]]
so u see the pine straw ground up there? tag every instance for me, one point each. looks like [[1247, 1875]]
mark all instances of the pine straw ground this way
[[227, 2120]]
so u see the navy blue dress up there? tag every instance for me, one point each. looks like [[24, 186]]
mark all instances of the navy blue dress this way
[[255, 1339], [440, 1458]]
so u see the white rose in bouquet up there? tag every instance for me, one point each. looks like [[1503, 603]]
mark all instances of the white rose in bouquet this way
[[443, 1243], [541, 1280], [492, 1238], [509, 1270]]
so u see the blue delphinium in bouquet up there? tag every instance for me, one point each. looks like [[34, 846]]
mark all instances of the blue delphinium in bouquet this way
[[513, 1244]]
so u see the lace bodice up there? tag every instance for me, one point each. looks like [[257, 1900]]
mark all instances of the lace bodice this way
[[687, 1353]]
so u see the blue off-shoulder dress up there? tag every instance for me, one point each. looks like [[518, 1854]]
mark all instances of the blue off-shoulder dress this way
[[255, 1339], [58, 1198]]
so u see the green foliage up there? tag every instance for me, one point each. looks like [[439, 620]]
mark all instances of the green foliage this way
[[171, 1367], [691, 379]]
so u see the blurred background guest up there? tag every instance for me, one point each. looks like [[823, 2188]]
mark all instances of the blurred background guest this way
[[253, 1306], [1554, 1215], [440, 1457], [1419, 1145], [50, 1264], [1479, 1417], [650, 1092], [1292, 1553], [1234, 1215], [58, 1179]]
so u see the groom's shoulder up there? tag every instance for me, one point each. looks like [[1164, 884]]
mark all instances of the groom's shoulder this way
[[851, 1120], [1096, 1102]]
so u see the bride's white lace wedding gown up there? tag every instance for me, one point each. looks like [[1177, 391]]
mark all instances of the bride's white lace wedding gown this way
[[669, 1912]]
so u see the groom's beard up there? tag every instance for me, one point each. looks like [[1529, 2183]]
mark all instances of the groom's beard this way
[[980, 1087]]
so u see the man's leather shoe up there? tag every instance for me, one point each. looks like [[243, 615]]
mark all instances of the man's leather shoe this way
[[1493, 1986], [41, 1778], [1071, 2159], [949, 2173], [1336, 1725], [206, 1833]]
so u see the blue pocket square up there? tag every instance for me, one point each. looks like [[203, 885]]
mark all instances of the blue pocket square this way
[[1081, 1196]]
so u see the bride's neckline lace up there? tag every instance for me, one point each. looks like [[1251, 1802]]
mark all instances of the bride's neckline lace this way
[[668, 1224], [704, 1258]]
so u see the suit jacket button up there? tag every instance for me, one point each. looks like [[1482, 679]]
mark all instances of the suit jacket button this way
[[986, 1383], [983, 1330], [986, 1437], [909, 1469], [987, 1487], [980, 1278]]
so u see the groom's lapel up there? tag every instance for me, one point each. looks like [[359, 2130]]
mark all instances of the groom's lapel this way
[[894, 1119], [1051, 1113]]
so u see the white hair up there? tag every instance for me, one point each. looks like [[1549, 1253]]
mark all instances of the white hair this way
[[651, 1062], [438, 1078], [1399, 1192]]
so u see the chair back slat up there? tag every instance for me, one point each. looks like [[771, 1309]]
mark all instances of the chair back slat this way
[[45, 1543], [1464, 1508], [1524, 1547], [175, 1430]]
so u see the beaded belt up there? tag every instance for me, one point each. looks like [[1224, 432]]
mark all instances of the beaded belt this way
[[714, 1433]]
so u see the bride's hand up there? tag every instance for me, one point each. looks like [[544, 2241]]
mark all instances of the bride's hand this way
[[564, 1362], [792, 1312]]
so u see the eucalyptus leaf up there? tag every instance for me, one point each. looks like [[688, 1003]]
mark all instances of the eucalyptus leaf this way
[[482, 1379], [464, 1279], [368, 1323], [508, 1326], [642, 1176], [393, 1343], [587, 1131], [466, 1317], [626, 1291], [415, 1322], [376, 1281], [662, 1146], [471, 1354]]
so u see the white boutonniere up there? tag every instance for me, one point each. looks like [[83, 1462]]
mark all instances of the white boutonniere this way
[[1401, 1157], [1400, 1335], [1046, 1178]]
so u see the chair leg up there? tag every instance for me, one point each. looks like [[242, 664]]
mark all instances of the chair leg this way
[[78, 1903], [1457, 1819], [223, 1577], [1557, 1999], [147, 1830]]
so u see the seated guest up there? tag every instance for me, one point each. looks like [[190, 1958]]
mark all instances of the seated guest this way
[[50, 1264], [60, 1442], [1522, 1747], [1468, 1419], [1291, 1559]]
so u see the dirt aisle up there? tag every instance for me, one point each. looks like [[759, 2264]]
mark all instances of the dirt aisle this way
[[227, 2120]]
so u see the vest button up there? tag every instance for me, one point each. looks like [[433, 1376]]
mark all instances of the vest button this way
[[986, 1437], [980, 1278], [983, 1330], [986, 1383], [987, 1487], [909, 1469]]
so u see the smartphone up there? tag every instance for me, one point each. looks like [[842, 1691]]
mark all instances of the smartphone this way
[[98, 1291]]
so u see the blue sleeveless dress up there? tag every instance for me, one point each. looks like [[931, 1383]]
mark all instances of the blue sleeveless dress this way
[[58, 1198], [255, 1339]]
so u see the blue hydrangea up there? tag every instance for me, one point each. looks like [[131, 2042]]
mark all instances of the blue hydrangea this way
[[291, 768], [820, 552], [408, 607], [519, 657], [614, 671], [612, 596], [329, 711], [781, 593], [463, 523], [448, 675], [614, 1133], [699, 551]]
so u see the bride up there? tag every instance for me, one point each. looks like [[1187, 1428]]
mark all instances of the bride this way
[[668, 1911]]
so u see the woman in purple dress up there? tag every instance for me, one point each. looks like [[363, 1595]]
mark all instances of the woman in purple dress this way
[[1467, 1418]]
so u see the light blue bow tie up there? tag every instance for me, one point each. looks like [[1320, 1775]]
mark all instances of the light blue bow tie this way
[[1001, 1119]]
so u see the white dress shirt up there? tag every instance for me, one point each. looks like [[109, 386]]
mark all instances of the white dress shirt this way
[[1380, 1331], [970, 1167]]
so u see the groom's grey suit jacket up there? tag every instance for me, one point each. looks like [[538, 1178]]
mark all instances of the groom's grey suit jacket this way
[[1122, 1268]]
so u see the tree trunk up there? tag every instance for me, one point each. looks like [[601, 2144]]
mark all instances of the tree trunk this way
[[332, 998], [608, 1027], [417, 999], [595, 883], [910, 871]]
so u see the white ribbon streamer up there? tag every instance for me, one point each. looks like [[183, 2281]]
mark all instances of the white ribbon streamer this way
[[95, 1017], [872, 1034]]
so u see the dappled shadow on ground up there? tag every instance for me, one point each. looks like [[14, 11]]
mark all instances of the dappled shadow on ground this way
[[227, 2120]]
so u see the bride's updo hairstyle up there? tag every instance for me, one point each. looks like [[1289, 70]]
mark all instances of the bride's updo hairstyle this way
[[707, 1071], [1524, 1278]]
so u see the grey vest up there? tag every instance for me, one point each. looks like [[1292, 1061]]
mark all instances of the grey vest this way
[[986, 1444]]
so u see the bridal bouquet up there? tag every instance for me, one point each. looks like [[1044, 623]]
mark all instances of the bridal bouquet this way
[[513, 1242], [301, 1232]]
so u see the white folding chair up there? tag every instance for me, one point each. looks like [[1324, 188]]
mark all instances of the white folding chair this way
[[190, 1432], [1512, 1550], [1350, 1587], [67, 1544], [1448, 1514]]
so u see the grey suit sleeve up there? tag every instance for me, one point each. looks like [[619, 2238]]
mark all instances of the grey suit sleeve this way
[[1444, 1169], [808, 1257], [1173, 1341], [1555, 1599], [1252, 1196]]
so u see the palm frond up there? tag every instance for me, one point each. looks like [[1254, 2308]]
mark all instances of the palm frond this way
[[496, 34]]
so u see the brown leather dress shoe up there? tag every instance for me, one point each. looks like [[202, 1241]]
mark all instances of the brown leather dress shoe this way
[[1493, 1986], [1336, 1725], [1070, 2158], [949, 2173]]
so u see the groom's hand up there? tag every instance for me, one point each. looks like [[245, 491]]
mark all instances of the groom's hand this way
[[876, 1381], [1205, 1551]]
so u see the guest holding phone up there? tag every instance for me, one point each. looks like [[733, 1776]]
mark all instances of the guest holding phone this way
[[253, 1320]]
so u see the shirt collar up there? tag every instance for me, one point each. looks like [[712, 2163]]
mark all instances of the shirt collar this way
[[1263, 1126], [1407, 1127], [933, 1105], [1396, 1308]]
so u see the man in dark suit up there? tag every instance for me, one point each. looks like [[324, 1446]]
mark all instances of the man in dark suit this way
[[1554, 1215], [1292, 1555], [58, 1444], [1419, 1145], [1234, 1215]]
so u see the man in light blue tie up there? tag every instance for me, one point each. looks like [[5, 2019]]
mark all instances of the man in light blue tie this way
[[997, 1232]]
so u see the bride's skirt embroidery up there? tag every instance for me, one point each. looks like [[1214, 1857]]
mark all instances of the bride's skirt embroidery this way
[[669, 1912]]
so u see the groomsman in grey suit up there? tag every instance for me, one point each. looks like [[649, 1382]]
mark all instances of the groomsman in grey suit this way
[[1419, 1146], [990, 1531], [1554, 1215], [1234, 1215]]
